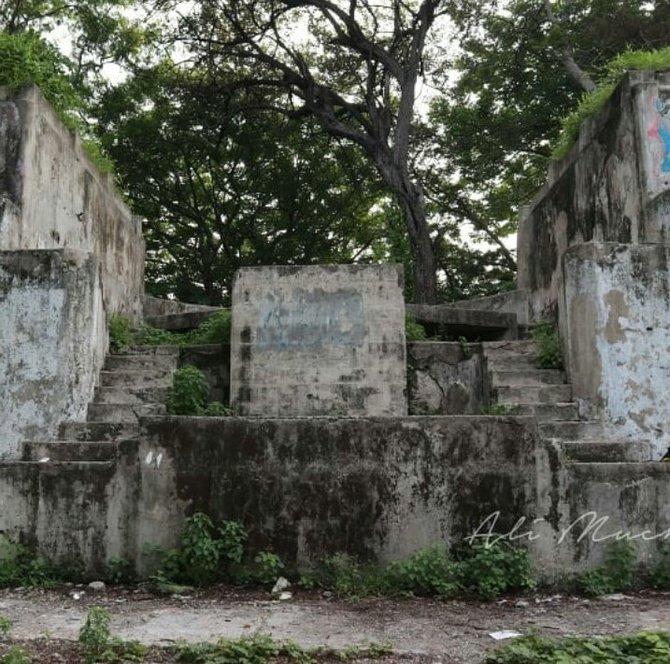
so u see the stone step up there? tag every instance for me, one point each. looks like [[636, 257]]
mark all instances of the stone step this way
[[618, 473], [533, 394], [183, 321], [512, 363], [137, 379], [122, 412], [134, 395], [514, 377], [571, 430], [546, 411], [70, 451], [606, 451], [139, 362], [98, 431], [511, 347], [149, 350]]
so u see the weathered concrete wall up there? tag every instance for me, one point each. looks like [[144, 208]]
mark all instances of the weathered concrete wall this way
[[52, 340], [53, 197], [153, 307], [511, 302], [318, 340], [618, 308], [444, 379], [612, 187]]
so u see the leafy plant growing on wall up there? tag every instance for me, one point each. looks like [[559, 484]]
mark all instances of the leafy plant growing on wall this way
[[189, 392], [549, 352]]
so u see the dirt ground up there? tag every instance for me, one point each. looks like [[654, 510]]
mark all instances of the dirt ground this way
[[420, 630]]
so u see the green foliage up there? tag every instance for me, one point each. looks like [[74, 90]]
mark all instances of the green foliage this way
[[414, 331], [265, 569], [647, 647], [146, 335], [591, 103], [490, 570], [5, 627], [549, 352], [99, 645], [217, 409], [660, 574], [19, 566], [118, 570], [428, 572], [189, 392], [616, 574], [16, 655], [120, 329], [206, 553], [213, 330], [25, 58]]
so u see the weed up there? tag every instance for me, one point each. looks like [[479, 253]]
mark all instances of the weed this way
[[213, 330], [146, 335], [19, 566], [217, 409], [615, 574], [660, 573], [100, 645], [265, 569], [120, 332], [16, 655], [189, 392], [549, 353], [427, 572], [118, 570], [465, 347], [5, 627], [414, 331], [649, 647]]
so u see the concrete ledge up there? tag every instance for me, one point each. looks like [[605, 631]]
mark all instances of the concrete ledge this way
[[471, 323]]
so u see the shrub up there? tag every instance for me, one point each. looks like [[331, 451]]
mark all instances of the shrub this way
[[616, 574], [189, 392], [19, 566], [213, 330], [660, 573], [549, 353], [99, 645], [427, 572], [120, 332], [414, 331]]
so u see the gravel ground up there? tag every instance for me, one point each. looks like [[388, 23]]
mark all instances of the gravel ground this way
[[421, 631]]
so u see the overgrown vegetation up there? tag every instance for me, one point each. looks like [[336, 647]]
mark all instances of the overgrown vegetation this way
[[189, 395], [214, 330], [261, 648], [414, 331], [19, 566], [647, 647], [549, 352], [100, 645], [616, 574], [593, 102], [499, 409]]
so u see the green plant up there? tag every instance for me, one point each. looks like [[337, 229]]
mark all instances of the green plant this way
[[217, 409], [549, 353], [489, 570], [465, 347], [189, 392], [414, 331], [120, 332], [213, 330], [617, 572], [647, 647], [16, 655], [427, 572], [146, 335], [499, 409], [118, 570], [20, 566], [100, 645], [265, 569], [660, 573], [593, 102], [5, 627]]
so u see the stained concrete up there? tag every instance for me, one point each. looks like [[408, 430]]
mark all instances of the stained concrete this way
[[318, 340]]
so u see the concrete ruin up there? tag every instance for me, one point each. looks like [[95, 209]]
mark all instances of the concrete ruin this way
[[322, 455]]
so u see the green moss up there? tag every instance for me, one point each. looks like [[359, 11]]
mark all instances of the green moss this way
[[592, 102]]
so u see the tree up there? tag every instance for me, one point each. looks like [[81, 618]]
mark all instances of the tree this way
[[356, 72], [222, 185]]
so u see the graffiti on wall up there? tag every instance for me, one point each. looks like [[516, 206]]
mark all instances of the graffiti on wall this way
[[659, 132]]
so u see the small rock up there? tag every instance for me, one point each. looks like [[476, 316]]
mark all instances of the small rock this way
[[614, 597], [97, 586], [281, 584], [505, 634], [521, 604], [283, 596], [78, 594]]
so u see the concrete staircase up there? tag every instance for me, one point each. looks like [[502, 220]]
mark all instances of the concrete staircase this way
[[132, 384], [515, 382]]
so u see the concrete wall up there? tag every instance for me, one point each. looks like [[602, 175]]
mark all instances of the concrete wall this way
[[53, 197], [442, 379], [52, 339], [618, 308], [318, 340], [612, 187]]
